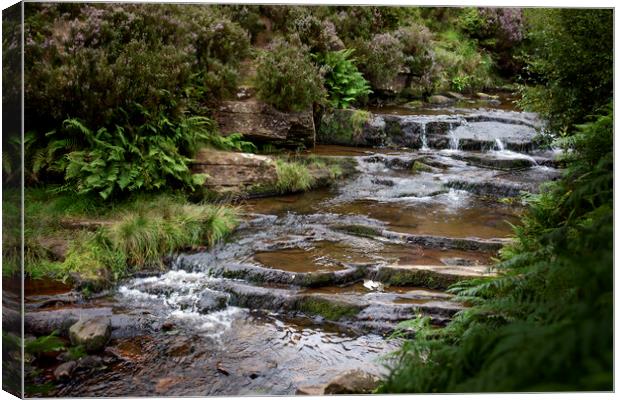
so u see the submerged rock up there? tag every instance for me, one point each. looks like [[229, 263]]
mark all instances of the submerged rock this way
[[92, 333], [211, 301]]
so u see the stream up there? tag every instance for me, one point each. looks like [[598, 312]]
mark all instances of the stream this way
[[285, 303]]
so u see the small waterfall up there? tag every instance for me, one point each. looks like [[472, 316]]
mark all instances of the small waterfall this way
[[423, 137], [454, 140], [499, 145]]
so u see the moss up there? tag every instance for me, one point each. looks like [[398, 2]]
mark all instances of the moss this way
[[420, 278], [331, 310], [360, 230], [314, 279], [419, 166]]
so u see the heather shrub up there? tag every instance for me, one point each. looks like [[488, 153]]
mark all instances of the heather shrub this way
[[362, 22], [93, 62], [112, 85], [287, 79], [247, 16], [380, 59], [319, 36], [418, 53]]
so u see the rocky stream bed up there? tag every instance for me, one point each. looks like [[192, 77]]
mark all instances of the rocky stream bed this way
[[311, 285]]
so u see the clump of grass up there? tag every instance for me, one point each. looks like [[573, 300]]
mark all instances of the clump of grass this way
[[141, 231], [293, 177]]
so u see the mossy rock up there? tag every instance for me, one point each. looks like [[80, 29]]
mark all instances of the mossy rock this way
[[419, 278], [360, 230], [327, 308], [343, 127], [419, 166]]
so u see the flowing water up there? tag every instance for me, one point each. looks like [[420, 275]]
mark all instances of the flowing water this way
[[222, 323]]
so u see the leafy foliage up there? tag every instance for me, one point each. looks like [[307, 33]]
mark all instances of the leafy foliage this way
[[344, 83], [287, 79], [463, 67], [147, 157], [569, 64]]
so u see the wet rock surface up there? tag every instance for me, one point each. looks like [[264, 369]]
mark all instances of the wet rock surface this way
[[303, 297]]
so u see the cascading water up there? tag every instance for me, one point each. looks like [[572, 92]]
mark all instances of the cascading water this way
[[423, 137], [499, 145], [454, 140]]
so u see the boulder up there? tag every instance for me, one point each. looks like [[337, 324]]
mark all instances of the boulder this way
[[231, 171], [92, 333], [261, 122]]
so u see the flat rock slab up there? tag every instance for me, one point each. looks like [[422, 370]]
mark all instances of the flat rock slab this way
[[260, 122], [229, 170], [430, 276], [41, 323]]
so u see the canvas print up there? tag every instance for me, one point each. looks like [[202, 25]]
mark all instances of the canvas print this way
[[244, 199]]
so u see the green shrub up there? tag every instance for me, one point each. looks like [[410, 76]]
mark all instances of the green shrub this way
[[344, 83], [418, 53], [247, 16], [380, 59], [569, 64], [362, 22], [463, 66], [287, 79], [94, 63], [342, 126]]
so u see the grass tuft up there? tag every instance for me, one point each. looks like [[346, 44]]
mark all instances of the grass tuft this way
[[293, 177]]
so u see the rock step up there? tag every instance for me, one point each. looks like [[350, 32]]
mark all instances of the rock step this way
[[429, 276], [496, 188], [373, 311], [432, 277], [443, 242], [492, 161], [474, 131], [45, 322]]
